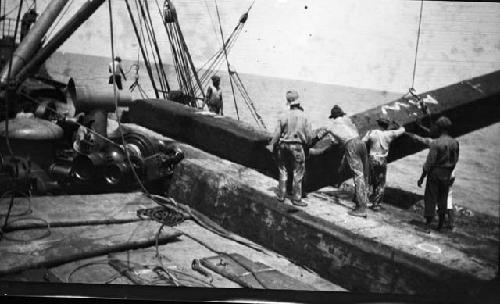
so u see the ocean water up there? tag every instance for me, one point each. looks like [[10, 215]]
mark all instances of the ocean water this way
[[478, 172]]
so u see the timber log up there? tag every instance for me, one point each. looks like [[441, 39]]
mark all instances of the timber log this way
[[470, 104]]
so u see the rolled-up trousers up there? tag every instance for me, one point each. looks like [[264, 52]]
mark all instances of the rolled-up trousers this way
[[291, 156]]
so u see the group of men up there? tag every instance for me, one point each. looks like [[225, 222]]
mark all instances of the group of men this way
[[364, 157]]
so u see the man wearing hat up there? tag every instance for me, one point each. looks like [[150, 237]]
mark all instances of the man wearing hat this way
[[378, 141], [343, 131], [117, 73], [438, 168], [28, 19], [291, 135], [213, 99]]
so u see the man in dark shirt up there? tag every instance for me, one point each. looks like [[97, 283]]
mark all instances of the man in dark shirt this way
[[28, 19], [441, 160]]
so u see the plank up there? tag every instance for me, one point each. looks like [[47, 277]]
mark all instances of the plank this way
[[71, 210], [33, 275], [67, 244], [252, 274]]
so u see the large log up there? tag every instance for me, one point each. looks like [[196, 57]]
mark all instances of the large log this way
[[64, 245], [470, 104], [77, 210]]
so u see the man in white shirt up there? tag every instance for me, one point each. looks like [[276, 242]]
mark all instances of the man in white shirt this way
[[378, 141], [117, 73]]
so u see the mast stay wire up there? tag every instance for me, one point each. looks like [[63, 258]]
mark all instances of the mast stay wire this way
[[149, 40], [227, 61], [216, 59], [187, 75], [141, 47], [59, 18], [159, 64]]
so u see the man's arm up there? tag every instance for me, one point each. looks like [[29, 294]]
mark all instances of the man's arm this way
[[276, 136], [400, 131], [421, 179], [423, 140], [366, 138], [431, 158], [221, 106], [123, 74]]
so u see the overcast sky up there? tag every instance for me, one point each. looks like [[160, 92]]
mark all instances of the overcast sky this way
[[357, 43]]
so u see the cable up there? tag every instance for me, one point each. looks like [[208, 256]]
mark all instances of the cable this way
[[227, 61], [44, 235], [143, 52], [6, 14], [115, 97], [60, 17], [416, 47], [25, 212]]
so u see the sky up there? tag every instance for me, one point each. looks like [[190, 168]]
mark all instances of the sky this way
[[357, 43]]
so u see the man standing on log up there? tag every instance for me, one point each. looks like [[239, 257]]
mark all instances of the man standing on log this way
[[378, 141], [439, 167], [343, 131], [292, 134], [117, 73], [213, 98]]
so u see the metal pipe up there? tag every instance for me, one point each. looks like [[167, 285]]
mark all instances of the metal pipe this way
[[64, 33], [33, 39], [86, 167], [85, 98]]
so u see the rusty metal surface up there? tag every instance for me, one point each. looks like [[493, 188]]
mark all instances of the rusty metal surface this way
[[31, 128], [85, 97]]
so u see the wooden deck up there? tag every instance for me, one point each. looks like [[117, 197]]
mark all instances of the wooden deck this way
[[87, 232]]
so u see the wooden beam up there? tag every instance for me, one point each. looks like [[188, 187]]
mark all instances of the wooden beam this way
[[470, 104]]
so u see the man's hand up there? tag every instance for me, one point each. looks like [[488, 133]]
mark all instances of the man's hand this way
[[320, 133], [420, 182], [452, 180]]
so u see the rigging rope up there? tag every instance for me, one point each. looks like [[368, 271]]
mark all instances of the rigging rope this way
[[141, 46], [416, 47], [187, 76], [227, 61], [115, 97], [60, 17], [246, 98]]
